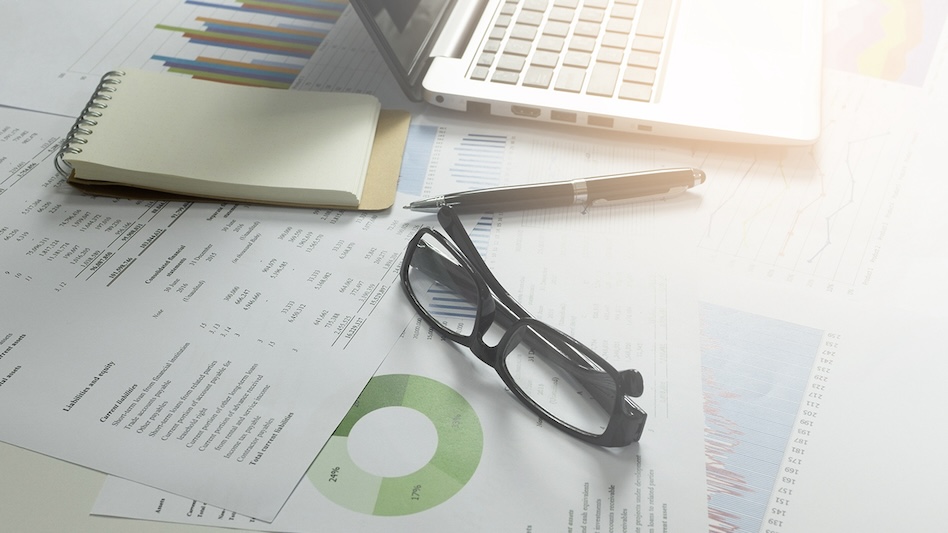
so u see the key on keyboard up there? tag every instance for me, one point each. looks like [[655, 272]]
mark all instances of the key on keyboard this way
[[606, 48]]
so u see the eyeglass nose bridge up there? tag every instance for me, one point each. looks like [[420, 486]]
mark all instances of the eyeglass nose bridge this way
[[475, 342]]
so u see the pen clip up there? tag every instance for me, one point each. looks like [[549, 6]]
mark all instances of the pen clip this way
[[674, 191]]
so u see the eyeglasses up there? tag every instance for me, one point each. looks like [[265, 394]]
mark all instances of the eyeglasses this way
[[553, 374]]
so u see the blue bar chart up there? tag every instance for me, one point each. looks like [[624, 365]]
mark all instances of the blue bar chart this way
[[479, 160], [418, 149], [755, 372]]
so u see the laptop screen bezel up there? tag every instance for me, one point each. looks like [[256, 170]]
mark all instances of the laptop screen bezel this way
[[410, 79]]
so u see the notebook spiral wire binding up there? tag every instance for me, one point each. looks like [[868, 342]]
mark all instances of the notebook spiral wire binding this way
[[87, 120]]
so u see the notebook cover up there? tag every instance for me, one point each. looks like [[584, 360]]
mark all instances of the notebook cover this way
[[381, 180]]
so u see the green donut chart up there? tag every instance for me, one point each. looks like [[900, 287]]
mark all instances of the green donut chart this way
[[458, 452]]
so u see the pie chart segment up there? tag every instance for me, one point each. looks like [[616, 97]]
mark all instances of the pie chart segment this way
[[460, 442]]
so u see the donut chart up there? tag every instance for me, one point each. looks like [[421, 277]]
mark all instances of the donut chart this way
[[458, 452]]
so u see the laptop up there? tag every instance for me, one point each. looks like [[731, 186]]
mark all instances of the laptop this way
[[728, 70]]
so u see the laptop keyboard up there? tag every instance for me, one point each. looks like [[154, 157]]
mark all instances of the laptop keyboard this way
[[607, 48]]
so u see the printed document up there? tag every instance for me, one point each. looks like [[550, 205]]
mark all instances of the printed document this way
[[206, 349], [457, 444]]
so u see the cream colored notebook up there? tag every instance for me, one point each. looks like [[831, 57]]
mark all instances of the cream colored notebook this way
[[171, 134]]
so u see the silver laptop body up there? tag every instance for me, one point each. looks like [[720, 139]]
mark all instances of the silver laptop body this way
[[727, 70]]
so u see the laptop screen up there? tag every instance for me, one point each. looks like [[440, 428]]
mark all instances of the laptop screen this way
[[404, 31]]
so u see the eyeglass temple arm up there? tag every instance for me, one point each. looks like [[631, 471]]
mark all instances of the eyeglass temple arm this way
[[601, 386], [630, 384]]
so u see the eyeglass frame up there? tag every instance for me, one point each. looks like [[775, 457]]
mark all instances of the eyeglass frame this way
[[626, 420]]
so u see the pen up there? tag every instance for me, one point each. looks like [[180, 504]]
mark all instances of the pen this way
[[595, 191]]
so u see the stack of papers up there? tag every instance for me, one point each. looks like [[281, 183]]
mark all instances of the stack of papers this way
[[206, 353]]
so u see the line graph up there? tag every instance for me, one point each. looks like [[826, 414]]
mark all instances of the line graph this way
[[847, 201], [814, 215], [818, 216]]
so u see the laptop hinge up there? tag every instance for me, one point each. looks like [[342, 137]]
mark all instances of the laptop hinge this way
[[458, 29]]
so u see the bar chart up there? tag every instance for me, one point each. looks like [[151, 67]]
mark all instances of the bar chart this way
[[250, 42], [263, 43], [756, 372], [893, 40]]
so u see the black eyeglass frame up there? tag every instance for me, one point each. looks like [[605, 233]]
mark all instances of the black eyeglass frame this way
[[626, 421]]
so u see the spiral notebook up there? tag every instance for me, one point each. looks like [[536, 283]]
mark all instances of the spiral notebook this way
[[161, 136]]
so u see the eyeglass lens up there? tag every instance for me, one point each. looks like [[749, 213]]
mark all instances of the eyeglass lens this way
[[554, 374], [444, 288]]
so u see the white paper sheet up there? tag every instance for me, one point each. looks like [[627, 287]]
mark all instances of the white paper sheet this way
[[880, 444], [208, 349], [513, 473]]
